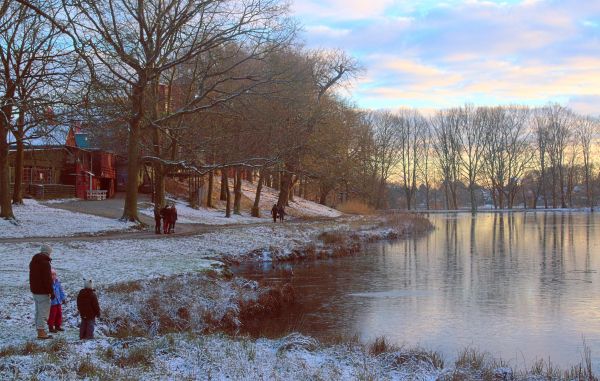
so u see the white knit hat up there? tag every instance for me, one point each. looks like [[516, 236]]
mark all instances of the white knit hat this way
[[87, 283], [46, 249]]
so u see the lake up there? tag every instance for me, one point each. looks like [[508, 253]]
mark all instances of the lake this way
[[520, 286]]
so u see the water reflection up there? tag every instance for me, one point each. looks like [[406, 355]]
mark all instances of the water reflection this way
[[520, 285]]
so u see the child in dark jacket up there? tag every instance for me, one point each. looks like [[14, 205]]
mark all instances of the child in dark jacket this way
[[56, 315], [89, 310]]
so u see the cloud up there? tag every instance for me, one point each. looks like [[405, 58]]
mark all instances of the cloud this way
[[432, 54]]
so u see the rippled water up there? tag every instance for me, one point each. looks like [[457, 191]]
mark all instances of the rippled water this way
[[519, 285]]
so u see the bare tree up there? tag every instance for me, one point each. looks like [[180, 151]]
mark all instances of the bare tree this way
[[472, 139], [507, 152], [557, 121], [411, 128], [586, 130], [446, 129], [133, 42], [36, 75], [386, 145], [327, 69]]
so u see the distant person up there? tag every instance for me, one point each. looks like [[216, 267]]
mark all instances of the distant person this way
[[165, 213], [157, 218], [89, 310], [56, 315], [274, 212], [173, 219], [281, 213], [40, 284]]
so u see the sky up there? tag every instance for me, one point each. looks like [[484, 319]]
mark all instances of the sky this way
[[437, 54]]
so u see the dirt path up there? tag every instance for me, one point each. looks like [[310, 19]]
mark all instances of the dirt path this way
[[113, 208]]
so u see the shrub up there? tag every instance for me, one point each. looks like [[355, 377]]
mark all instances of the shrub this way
[[355, 207]]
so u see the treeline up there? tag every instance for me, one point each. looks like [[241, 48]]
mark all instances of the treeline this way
[[499, 156]]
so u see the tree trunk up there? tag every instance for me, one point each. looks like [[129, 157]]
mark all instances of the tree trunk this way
[[588, 190], [284, 186], [130, 211], [472, 197], [19, 159], [209, 196], [323, 195], [224, 185], [159, 185], [237, 192], [5, 205], [380, 195], [291, 192], [256, 207]]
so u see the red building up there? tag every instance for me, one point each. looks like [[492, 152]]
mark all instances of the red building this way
[[70, 170]]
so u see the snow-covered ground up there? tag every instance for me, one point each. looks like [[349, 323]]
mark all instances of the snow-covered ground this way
[[216, 216], [208, 216], [298, 207], [112, 261], [37, 220], [217, 357]]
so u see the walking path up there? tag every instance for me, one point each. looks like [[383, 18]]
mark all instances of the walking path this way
[[113, 208]]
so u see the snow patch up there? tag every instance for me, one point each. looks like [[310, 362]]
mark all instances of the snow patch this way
[[36, 220]]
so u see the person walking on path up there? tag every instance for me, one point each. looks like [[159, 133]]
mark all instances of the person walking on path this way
[[89, 310], [173, 219], [157, 218], [165, 212], [281, 213], [274, 212], [40, 284], [56, 315]]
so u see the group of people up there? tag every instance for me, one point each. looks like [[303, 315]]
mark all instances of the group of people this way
[[49, 296], [278, 211], [168, 215]]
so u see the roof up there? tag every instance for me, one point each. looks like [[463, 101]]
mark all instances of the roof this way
[[56, 135]]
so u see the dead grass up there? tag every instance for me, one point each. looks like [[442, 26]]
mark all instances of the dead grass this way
[[29, 348], [407, 223], [136, 357], [124, 287], [356, 207], [380, 345], [470, 358], [270, 302], [332, 237], [86, 368]]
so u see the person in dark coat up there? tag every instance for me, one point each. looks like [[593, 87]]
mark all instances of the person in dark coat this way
[[274, 212], [89, 310], [40, 284], [165, 212], [173, 219], [157, 218], [281, 213]]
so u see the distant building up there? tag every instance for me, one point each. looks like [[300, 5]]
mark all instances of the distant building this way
[[65, 170]]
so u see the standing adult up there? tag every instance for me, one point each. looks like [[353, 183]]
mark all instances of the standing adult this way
[[40, 284], [165, 212], [274, 212], [157, 218], [281, 212], [173, 218]]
